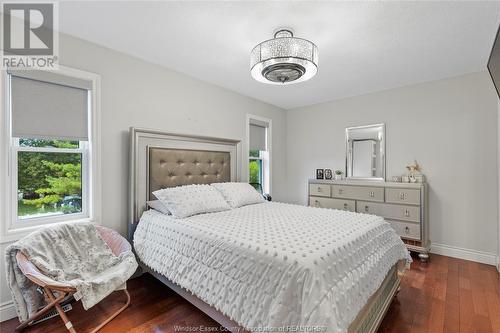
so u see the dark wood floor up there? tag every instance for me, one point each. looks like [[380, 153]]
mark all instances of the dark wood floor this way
[[445, 295]]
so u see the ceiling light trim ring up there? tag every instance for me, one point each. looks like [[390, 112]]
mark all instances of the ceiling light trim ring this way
[[274, 58], [257, 70]]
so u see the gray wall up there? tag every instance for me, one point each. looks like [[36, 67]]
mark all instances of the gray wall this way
[[137, 93], [448, 126], [498, 185]]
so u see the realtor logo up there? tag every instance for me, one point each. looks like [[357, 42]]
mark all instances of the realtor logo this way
[[29, 37]]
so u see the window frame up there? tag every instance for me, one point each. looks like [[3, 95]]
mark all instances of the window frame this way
[[260, 158], [266, 156], [17, 222], [11, 228]]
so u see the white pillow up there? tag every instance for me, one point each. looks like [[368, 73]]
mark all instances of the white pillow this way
[[184, 201], [159, 206], [239, 194]]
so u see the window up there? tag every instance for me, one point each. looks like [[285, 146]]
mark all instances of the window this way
[[259, 153], [49, 178], [255, 168], [51, 135]]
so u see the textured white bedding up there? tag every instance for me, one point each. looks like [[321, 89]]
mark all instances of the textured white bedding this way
[[272, 265]]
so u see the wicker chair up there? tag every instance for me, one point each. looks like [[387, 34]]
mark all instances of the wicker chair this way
[[55, 292]]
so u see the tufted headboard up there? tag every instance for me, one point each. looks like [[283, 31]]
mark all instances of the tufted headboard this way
[[160, 160], [175, 167]]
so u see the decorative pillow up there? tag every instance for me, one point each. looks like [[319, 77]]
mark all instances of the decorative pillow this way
[[239, 194], [159, 206], [184, 201]]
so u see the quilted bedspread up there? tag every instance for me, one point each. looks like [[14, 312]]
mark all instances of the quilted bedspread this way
[[272, 265]]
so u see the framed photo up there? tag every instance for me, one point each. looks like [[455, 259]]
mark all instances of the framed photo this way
[[320, 174], [328, 174]]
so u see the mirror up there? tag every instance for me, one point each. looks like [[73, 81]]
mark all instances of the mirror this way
[[365, 152]]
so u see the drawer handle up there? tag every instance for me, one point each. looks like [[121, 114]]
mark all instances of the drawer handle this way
[[407, 212], [407, 230], [372, 194], [319, 189], [316, 203], [402, 195], [340, 191], [367, 208], [345, 205]]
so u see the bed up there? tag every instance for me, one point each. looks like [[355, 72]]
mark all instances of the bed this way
[[267, 266]]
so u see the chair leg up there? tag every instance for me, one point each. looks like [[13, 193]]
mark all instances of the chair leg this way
[[54, 302], [116, 313], [59, 309], [40, 313]]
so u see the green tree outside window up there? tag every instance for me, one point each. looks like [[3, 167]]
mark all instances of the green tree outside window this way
[[47, 179]]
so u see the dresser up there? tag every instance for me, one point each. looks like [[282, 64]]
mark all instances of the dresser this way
[[404, 205]]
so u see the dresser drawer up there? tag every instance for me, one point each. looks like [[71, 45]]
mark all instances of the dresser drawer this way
[[320, 190], [358, 192], [399, 212], [402, 195], [349, 205], [406, 229]]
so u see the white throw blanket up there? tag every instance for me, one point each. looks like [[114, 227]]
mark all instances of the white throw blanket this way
[[272, 265], [71, 253]]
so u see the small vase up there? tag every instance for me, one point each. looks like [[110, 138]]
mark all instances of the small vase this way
[[338, 177]]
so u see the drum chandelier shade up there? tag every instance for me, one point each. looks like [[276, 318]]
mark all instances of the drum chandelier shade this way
[[284, 59]]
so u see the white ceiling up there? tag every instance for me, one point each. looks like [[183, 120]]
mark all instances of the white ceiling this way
[[363, 46]]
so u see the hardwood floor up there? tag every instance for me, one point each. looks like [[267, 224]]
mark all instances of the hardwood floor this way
[[445, 295]]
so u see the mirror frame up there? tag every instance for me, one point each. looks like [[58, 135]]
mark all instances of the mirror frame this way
[[348, 161]]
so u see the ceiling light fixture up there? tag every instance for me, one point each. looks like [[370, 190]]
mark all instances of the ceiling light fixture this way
[[284, 59]]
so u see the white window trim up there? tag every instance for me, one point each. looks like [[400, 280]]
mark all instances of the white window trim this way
[[266, 156], [9, 231]]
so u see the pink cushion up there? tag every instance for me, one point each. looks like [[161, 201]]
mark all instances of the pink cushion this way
[[114, 240], [26, 266], [29, 269]]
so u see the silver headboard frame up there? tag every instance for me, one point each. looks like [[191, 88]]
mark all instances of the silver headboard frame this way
[[159, 159]]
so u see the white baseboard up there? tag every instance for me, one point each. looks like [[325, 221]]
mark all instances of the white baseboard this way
[[7, 311], [466, 254]]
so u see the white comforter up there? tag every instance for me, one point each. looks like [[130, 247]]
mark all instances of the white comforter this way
[[272, 265]]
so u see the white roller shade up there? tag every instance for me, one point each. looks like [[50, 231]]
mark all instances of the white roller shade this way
[[47, 105], [257, 137]]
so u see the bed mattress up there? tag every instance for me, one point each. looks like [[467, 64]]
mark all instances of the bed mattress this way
[[274, 266]]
